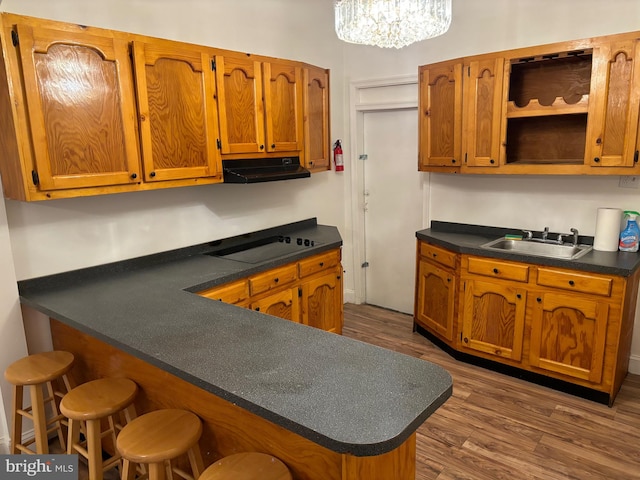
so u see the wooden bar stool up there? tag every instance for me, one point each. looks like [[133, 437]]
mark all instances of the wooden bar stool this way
[[156, 438], [86, 406], [247, 466], [38, 372]]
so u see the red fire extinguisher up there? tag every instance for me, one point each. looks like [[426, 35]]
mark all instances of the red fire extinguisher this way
[[337, 157]]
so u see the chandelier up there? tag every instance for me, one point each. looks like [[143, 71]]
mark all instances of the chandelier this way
[[391, 23]]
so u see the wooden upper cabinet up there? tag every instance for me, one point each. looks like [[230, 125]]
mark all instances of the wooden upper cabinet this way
[[79, 96], [440, 116], [614, 105], [249, 125], [240, 108], [283, 107], [177, 111], [483, 99], [317, 148]]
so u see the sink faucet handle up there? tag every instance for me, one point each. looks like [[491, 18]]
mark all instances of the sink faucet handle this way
[[545, 233], [528, 234], [575, 235]]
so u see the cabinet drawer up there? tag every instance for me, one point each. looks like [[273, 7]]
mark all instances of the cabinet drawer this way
[[496, 269], [317, 263], [263, 282], [437, 254], [229, 293], [575, 281]]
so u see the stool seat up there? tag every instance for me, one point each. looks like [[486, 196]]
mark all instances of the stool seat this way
[[87, 405], [247, 466], [98, 398], [39, 368], [156, 438], [37, 373], [160, 435]]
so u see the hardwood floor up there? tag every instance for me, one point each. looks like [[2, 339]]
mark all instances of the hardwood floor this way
[[497, 427]]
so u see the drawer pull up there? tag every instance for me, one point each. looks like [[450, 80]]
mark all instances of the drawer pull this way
[[518, 296], [539, 300], [466, 340], [572, 283], [496, 271], [434, 255], [257, 309], [276, 280], [322, 264]]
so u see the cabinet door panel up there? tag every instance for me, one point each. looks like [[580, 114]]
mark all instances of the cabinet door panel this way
[[484, 112], [493, 319], [177, 112], [440, 119], [317, 152], [435, 299], [283, 304], [283, 107], [322, 302], [614, 104], [568, 335], [240, 109], [79, 92]]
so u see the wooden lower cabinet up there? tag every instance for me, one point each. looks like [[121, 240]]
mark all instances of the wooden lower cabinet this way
[[565, 324], [308, 291], [321, 300], [436, 291], [282, 304], [568, 335], [493, 319]]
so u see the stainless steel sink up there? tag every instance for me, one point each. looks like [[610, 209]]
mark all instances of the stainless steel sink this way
[[538, 249]]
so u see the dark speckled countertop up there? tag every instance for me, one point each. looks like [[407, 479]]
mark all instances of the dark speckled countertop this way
[[345, 395], [465, 238]]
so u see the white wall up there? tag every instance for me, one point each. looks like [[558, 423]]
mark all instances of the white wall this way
[[64, 234]]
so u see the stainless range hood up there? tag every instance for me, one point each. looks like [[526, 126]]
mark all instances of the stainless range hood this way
[[257, 170]]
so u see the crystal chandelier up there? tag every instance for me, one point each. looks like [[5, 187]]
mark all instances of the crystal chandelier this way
[[391, 23]]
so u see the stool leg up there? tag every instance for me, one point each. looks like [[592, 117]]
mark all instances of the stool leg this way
[[16, 421], [94, 449], [157, 471], [195, 459], [73, 436], [39, 419], [56, 414], [128, 470]]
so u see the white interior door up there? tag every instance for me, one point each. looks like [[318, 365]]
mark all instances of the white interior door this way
[[393, 212]]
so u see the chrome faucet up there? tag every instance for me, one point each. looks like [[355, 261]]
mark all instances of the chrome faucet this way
[[545, 233], [575, 236]]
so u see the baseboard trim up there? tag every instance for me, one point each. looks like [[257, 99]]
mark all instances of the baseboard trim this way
[[634, 364], [5, 443], [349, 296]]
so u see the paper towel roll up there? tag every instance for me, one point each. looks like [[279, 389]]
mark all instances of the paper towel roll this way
[[607, 229]]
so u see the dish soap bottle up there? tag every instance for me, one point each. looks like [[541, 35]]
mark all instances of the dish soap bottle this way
[[630, 236]]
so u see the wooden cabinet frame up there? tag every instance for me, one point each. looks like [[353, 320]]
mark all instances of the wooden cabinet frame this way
[[568, 325], [58, 143], [589, 127], [308, 291]]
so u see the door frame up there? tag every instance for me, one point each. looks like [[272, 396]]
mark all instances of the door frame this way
[[366, 96]]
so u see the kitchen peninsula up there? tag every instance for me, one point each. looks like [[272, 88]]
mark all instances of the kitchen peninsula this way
[[328, 406]]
